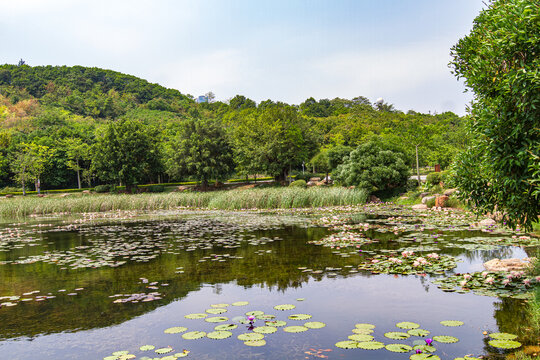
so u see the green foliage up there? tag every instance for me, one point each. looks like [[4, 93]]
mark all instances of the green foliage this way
[[102, 189], [156, 188], [298, 183], [435, 178], [374, 168], [500, 62]]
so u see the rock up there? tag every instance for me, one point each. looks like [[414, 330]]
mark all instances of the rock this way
[[311, 183], [441, 201], [86, 191], [423, 195], [182, 188], [374, 199], [40, 195], [403, 197], [419, 207], [425, 199], [449, 192], [508, 264], [65, 195], [487, 222], [315, 179], [8, 196]]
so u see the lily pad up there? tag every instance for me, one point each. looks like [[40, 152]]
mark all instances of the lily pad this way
[[315, 325], [396, 335], [120, 353], [300, 299], [216, 311], [195, 316], [219, 335], [147, 347], [225, 327], [399, 348], [240, 303], [360, 337], [285, 307], [299, 317], [424, 357], [255, 313], [219, 305], [505, 344], [425, 348], [175, 330], [295, 329], [502, 336], [276, 323], [265, 329], [407, 325], [365, 326], [216, 319], [255, 342], [265, 317], [250, 336], [164, 350], [362, 331], [192, 335], [452, 323], [370, 345], [418, 332], [445, 339], [182, 354], [347, 344], [468, 358]]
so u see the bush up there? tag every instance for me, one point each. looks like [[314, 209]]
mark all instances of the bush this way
[[435, 178], [102, 188], [298, 183], [156, 188]]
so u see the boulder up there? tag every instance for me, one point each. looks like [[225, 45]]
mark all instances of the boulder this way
[[419, 207], [65, 195], [423, 195], [311, 183], [9, 196], [315, 179], [403, 197], [487, 222], [441, 201], [449, 192], [86, 191], [182, 188], [425, 199], [507, 264], [374, 199]]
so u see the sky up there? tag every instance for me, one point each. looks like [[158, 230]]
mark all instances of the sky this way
[[284, 50]]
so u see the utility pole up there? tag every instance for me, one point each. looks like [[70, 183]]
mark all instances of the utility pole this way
[[417, 167]]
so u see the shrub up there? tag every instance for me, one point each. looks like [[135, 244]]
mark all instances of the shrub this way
[[102, 188], [435, 178], [299, 183], [156, 188]]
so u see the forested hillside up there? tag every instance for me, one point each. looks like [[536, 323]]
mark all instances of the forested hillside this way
[[63, 125]]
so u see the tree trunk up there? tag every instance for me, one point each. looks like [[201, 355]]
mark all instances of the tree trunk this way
[[417, 167], [78, 174]]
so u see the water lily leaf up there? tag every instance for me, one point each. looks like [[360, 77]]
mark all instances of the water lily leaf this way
[[452, 323], [347, 344], [445, 339], [265, 317], [424, 357], [502, 336], [225, 327], [240, 319], [284, 307], [255, 342], [265, 329], [295, 329], [300, 299], [219, 334], [120, 353], [192, 335], [216, 319], [299, 317], [216, 311], [396, 335], [147, 347], [505, 344], [400, 348], [407, 325], [112, 357], [365, 326], [370, 345], [164, 350], [219, 305], [425, 348], [169, 357], [250, 336], [255, 313], [360, 337], [175, 330], [240, 303], [195, 316], [276, 323], [468, 358], [182, 354], [315, 325], [418, 332], [362, 331]]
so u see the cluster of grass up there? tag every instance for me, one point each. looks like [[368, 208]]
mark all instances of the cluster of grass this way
[[269, 198]]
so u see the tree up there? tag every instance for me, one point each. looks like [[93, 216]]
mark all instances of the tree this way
[[126, 153], [240, 102], [500, 62], [373, 167], [30, 163], [77, 152], [200, 149]]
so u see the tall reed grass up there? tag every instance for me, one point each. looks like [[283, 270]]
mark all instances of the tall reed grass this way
[[270, 198]]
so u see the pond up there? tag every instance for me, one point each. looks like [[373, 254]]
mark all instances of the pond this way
[[185, 282]]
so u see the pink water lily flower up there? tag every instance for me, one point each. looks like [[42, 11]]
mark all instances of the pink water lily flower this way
[[463, 283], [467, 276], [485, 273], [527, 282], [490, 280], [505, 282]]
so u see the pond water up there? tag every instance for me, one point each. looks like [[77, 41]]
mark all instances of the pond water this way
[[84, 289]]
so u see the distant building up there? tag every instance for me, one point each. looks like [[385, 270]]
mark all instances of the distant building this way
[[202, 99]]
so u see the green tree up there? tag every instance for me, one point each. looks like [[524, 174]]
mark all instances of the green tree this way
[[200, 149], [30, 163], [126, 153], [500, 62], [77, 152]]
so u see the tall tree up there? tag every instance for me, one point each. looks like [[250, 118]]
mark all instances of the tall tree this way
[[30, 163], [77, 152]]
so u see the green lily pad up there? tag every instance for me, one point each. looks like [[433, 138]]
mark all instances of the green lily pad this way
[[370, 345], [240, 303], [362, 331], [424, 357], [219, 305], [425, 348], [219, 334], [399, 348], [468, 358], [418, 332], [240, 319], [225, 327], [505, 344], [295, 329], [265, 329], [360, 337], [284, 307], [250, 336], [255, 313], [192, 335], [347, 344], [407, 325], [265, 317], [299, 317], [169, 357], [365, 326], [175, 330], [276, 323], [502, 336], [164, 350], [300, 299], [216, 319], [195, 316], [120, 353], [445, 339], [216, 311], [315, 325], [255, 342], [182, 354], [112, 357], [147, 347], [396, 335], [452, 323]]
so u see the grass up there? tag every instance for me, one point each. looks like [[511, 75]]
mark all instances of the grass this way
[[269, 198]]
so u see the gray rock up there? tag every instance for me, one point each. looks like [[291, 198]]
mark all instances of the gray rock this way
[[427, 198], [419, 207]]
